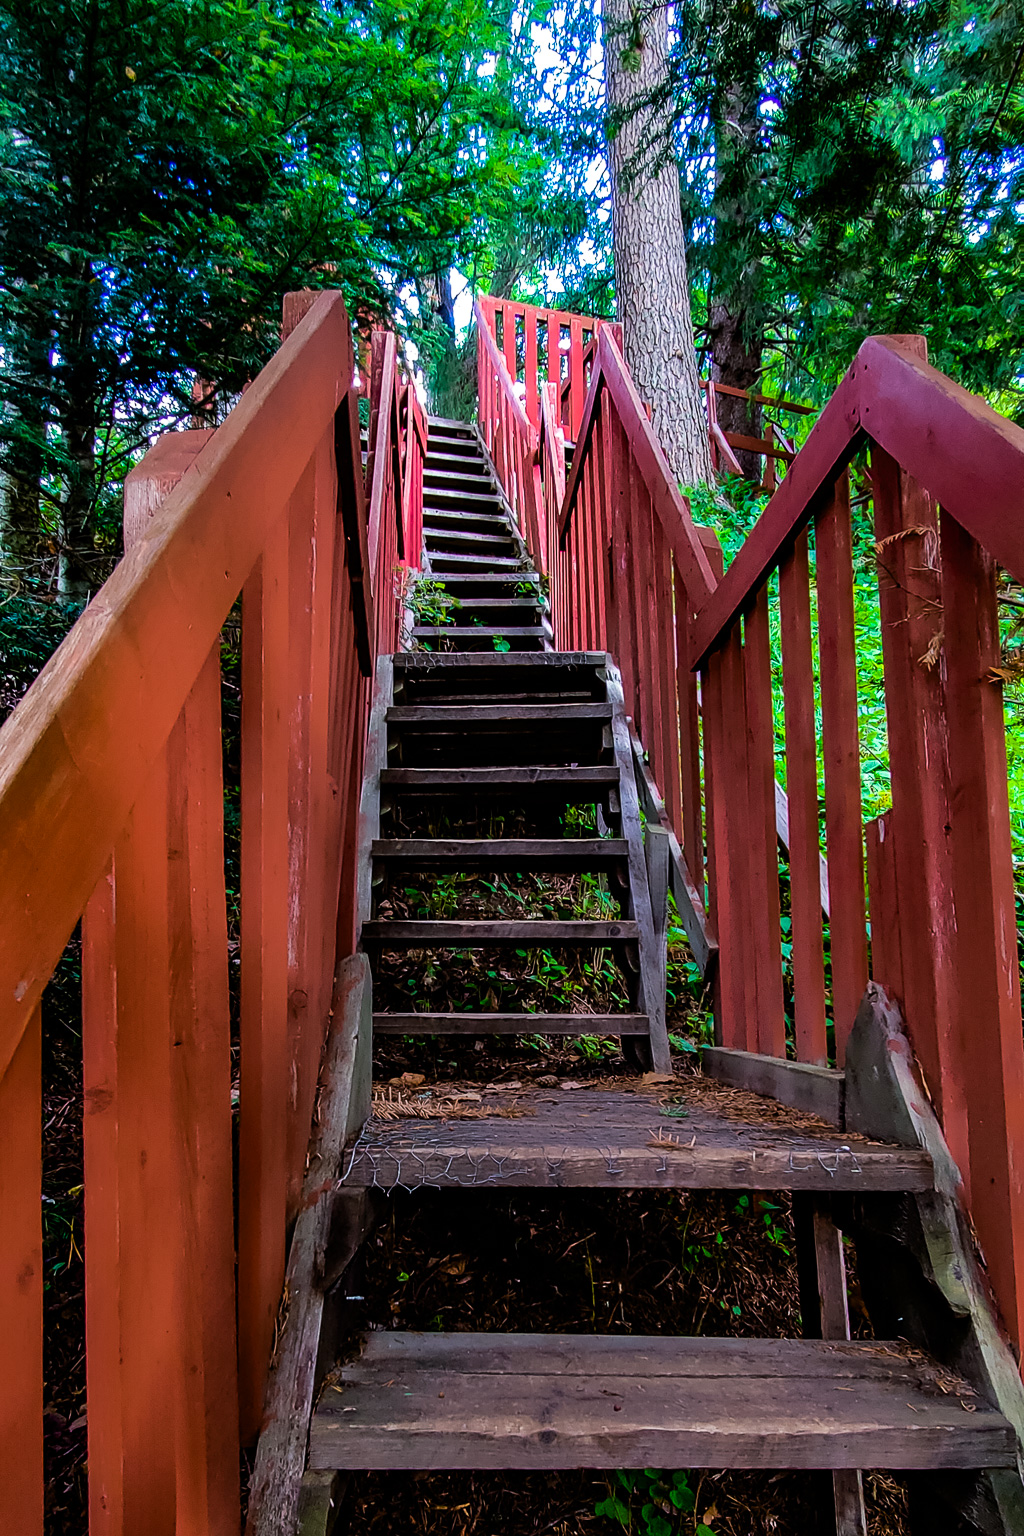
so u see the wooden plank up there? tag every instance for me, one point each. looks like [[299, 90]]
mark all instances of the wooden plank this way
[[343, 1100], [813, 1089], [369, 793], [265, 1073], [883, 906], [445, 1163], [987, 999], [769, 1026], [65, 785], [802, 806], [510, 1023], [574, 1402], [21, 1286], [583, 781], [536, 932], [426, 715], [207, 1433], [504, 852], [844, 836]]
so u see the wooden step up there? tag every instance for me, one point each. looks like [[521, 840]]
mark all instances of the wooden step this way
[[518, 716], [461, 501], [577, 786], [472, 933], [465, 456], [470, 604], [445, 563], [510, 1023], [479, 631], [466, 522], [537, 1402], [664, 1136], [534, 853], [462, 477], [467, 538]]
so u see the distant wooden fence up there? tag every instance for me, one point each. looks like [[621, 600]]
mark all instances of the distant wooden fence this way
[[111, 809], [629, 571]]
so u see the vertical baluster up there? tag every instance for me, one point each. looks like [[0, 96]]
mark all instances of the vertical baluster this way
[[883, 905], [668, 747], [554, 365], [595, 618], [689, 825], [530, 365], [909, 600], [802, 792], [600, 453], [841, 753], [207, 1471], [763, 859], [988, 995], [21, 1286], [311, 554], [577, 389], [728, 831], [508, 337], [265, 1072]]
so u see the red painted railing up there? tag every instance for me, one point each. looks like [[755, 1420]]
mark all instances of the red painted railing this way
[[774, 447], [111, 809], [510, 438], [633, 574], [543, 345]]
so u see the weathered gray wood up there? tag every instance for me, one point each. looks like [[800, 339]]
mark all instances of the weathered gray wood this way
[[374, 761], [652, 960], [510, 1023], [320, 1496], [815, 1090], [447, 716], [556, 661], [450, 1162], [536, 933], [477, 631], [918, 1262], [314, 1261], [503, 852], [689, 905], [581, 786], [521, 1401], [467, 539]]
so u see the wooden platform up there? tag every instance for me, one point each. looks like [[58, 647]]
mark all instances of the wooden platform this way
[[602, 1138], [556, 1401]]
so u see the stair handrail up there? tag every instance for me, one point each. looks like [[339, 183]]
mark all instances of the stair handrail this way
[[111, 809], [551, 456], [939, 864]]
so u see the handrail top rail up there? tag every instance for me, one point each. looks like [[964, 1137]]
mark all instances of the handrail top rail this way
[[610, 372], [967, 456], [75, 752], [500, 366]]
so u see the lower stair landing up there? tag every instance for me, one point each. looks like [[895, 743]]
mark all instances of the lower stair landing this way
[[690, 1133], [465, 1400]]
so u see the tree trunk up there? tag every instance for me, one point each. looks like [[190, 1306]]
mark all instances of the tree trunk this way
[[651, 286], [735, 361], [737, 341]]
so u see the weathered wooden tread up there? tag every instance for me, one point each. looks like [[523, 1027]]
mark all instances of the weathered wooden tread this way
[[487, 631], [438, 517], [502, 562], [496, 714], [470, 604], [412, 661], [456, 536], [438, 496], [535, 933], [491, 578], [524, 1401], [510, 1023], [438, 780], [504, 852]]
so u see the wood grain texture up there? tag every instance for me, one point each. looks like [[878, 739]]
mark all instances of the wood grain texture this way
[[522, 1401]]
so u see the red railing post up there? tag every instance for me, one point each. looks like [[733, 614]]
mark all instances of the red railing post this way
[[21, 1286], [987, 1000]]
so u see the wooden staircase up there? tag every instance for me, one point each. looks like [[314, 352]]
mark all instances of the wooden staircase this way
[[457, 739]]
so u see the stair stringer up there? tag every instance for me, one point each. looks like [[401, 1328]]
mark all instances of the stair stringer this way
[[918, 1261]]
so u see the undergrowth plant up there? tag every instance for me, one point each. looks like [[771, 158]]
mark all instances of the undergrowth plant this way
[[655, 1503]]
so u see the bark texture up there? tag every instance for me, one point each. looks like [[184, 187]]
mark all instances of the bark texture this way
[[736, 321], [651, 285], [734, 361]]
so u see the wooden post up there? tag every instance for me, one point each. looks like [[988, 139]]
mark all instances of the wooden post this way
[[265, 1069], [767, 1031], [841, 752], [21, 1287], [988, 1007]]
